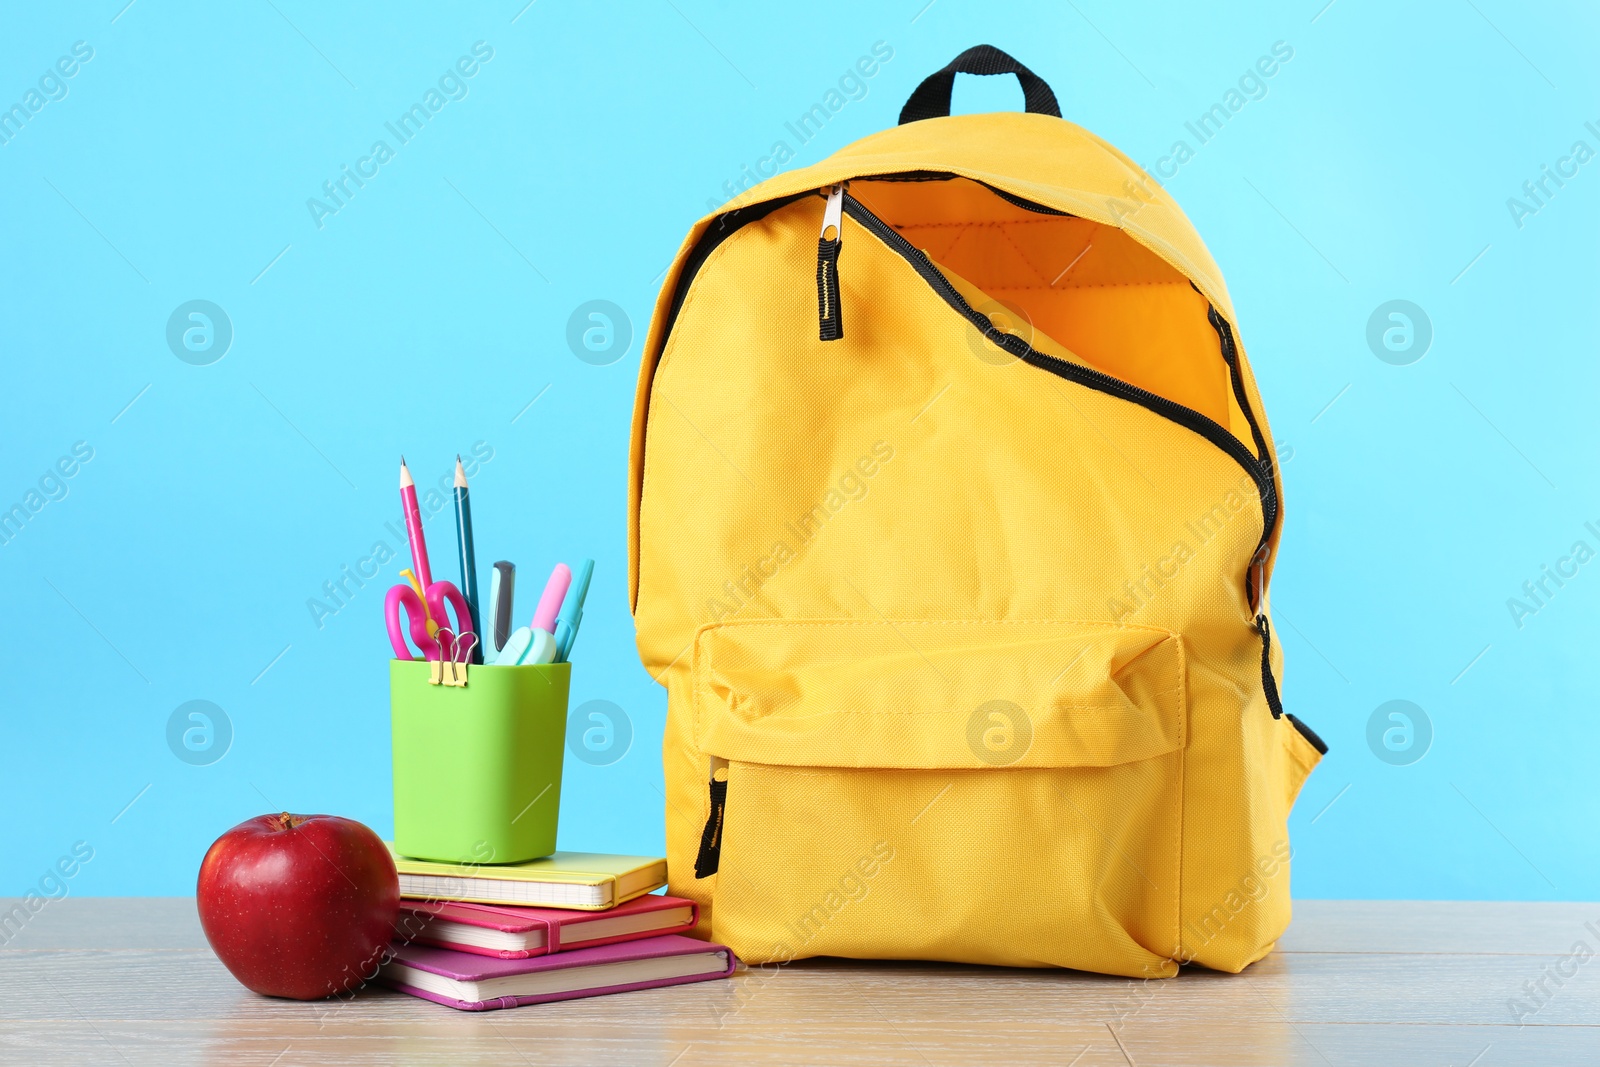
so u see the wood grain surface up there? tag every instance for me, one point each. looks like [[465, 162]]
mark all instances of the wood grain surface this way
[[130, 980]]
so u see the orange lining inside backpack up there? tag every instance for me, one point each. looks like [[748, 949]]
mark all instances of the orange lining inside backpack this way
[[1075, 281]]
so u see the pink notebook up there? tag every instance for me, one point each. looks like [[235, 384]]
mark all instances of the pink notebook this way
[[510, 932], [480, 983]]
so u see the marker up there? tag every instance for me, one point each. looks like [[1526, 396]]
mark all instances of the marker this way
[[550, 603], [571, 616], [502, 584], [469, 563]]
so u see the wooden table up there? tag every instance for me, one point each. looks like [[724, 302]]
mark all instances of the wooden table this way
[[130, 980]]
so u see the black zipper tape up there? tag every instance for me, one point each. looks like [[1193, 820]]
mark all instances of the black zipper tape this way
[[1255, 578], [945, 176], [722, 227], [1094, 379], [1230, 356], [1269, 499]]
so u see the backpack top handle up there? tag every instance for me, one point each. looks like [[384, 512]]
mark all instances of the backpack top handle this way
[[932, 98]]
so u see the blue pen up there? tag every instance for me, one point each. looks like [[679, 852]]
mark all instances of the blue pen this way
[[572, 611]]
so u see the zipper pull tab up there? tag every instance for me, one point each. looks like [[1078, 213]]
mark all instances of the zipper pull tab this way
[[1256, 578], [828, 244], [1269, 684], [710, 855]]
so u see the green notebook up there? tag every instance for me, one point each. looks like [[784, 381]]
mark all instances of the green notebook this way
[[586, 881]]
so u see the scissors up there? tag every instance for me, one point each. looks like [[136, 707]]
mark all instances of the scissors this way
[[404, 598]]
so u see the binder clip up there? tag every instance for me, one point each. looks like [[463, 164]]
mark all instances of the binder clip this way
[[455, 653]]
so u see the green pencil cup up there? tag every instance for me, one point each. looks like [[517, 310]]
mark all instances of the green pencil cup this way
[[477, 769]]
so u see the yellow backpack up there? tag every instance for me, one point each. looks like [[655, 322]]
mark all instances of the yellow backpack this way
[[952, 513]]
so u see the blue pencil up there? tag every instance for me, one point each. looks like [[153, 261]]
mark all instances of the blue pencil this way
[[469, 562]]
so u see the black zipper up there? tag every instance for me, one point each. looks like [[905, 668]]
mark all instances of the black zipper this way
[[1105, 383], [725, 226], [1230, 356], [1258, 467], [1256, 575], [1026, 205], [729, 223], [1010, 197]]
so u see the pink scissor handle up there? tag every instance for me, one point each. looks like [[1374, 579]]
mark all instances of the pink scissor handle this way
[[440, 592], [404, 597]]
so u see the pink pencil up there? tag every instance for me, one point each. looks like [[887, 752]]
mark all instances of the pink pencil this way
[[419, 546], [555, 591]]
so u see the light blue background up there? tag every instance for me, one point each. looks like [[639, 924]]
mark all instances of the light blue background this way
[[430, 311]]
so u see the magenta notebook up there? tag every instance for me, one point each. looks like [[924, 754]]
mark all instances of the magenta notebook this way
[[513, 932], [482, 983]]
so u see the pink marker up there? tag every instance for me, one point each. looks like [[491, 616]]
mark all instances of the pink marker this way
[[555, 591]]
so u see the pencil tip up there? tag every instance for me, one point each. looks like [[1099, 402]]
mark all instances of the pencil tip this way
[[461, 475]]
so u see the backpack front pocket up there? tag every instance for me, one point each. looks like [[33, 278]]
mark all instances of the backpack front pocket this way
[[1007, 792]]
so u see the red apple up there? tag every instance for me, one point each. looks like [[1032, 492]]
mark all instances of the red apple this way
[[299, 906]]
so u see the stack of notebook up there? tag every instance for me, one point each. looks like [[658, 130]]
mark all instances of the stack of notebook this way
[[574, 924]]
